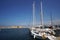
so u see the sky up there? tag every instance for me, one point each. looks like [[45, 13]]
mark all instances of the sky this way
[[19, 12]]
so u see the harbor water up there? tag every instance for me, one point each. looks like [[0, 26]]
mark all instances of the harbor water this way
[[16, 34]]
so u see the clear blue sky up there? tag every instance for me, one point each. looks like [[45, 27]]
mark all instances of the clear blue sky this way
[[19, 12]]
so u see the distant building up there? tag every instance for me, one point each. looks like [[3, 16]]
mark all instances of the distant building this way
[[17, 26], [11, 27]]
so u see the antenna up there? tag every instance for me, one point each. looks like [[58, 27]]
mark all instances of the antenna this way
[[41, 15], [33, 12]]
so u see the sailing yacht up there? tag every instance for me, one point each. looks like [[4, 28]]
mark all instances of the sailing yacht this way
[[40, 32]]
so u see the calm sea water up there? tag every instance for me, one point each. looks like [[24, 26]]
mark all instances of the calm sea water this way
[[17, 34]]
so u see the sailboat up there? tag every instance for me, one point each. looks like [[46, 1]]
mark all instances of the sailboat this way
[[40, 32]]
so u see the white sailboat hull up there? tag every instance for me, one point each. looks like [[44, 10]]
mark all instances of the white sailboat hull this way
[[39, 35]]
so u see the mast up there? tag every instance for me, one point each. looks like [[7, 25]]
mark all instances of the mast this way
[[34, 13], [51, 19], [41, 14]]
